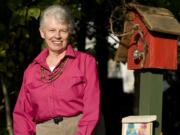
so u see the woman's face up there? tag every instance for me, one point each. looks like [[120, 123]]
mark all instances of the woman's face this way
[[55, 34]]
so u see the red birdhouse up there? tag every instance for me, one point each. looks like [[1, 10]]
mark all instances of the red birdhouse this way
[[153, 43]]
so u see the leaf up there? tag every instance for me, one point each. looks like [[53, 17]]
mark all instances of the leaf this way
[[2, 68], [3, 47], [2, 53], [13, 4], [21, 12], [3, 31], [2, 27], [99, 1], [34, 12], [18, 17]]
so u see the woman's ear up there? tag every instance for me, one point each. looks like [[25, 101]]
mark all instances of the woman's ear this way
[[41, 32]]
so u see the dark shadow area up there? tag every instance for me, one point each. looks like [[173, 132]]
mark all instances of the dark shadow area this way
[[116, 104], [171, 104]]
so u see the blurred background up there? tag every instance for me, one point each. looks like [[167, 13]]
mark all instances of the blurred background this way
[[20, 42]]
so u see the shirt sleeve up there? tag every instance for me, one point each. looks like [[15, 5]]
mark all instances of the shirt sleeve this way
[[91, 99], [22, 115]]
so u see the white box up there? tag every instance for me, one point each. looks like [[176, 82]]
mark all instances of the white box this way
[[138, 125]]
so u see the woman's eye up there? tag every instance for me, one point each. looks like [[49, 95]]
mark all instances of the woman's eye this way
[[51, 30], [64, 31]]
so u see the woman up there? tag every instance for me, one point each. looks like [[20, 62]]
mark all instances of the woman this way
[[60, 92]]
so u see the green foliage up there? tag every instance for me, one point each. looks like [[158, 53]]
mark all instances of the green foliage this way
[[34, 13], [3, 131], [99, 1]]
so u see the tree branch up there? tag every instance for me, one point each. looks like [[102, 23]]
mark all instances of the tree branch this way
[[7, 108]]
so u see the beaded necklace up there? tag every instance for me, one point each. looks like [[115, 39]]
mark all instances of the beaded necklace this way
[[49, 77]]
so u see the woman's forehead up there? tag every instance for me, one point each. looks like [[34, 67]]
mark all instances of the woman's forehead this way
[[49, 21]]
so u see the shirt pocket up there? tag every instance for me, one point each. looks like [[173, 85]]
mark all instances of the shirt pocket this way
[[72, 87], [38, 92]]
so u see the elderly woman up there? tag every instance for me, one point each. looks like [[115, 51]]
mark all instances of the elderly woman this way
[[60, 92]]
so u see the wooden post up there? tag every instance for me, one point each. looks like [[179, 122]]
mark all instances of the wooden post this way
[[150, 96]]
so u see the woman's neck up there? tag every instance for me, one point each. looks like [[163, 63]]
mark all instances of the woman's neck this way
[[54, 58]]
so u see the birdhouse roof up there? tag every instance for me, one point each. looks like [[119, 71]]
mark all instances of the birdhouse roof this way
[[157, 19]]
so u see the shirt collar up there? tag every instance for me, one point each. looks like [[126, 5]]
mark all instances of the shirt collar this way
[[41, 58], [70, 51]]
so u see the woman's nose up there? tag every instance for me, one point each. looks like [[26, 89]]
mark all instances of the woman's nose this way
[[58, 34]]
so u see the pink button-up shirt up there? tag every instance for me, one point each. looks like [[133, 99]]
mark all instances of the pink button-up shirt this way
[[75, 91]]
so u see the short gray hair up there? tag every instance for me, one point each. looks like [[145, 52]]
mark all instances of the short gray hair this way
[[60, 13]]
